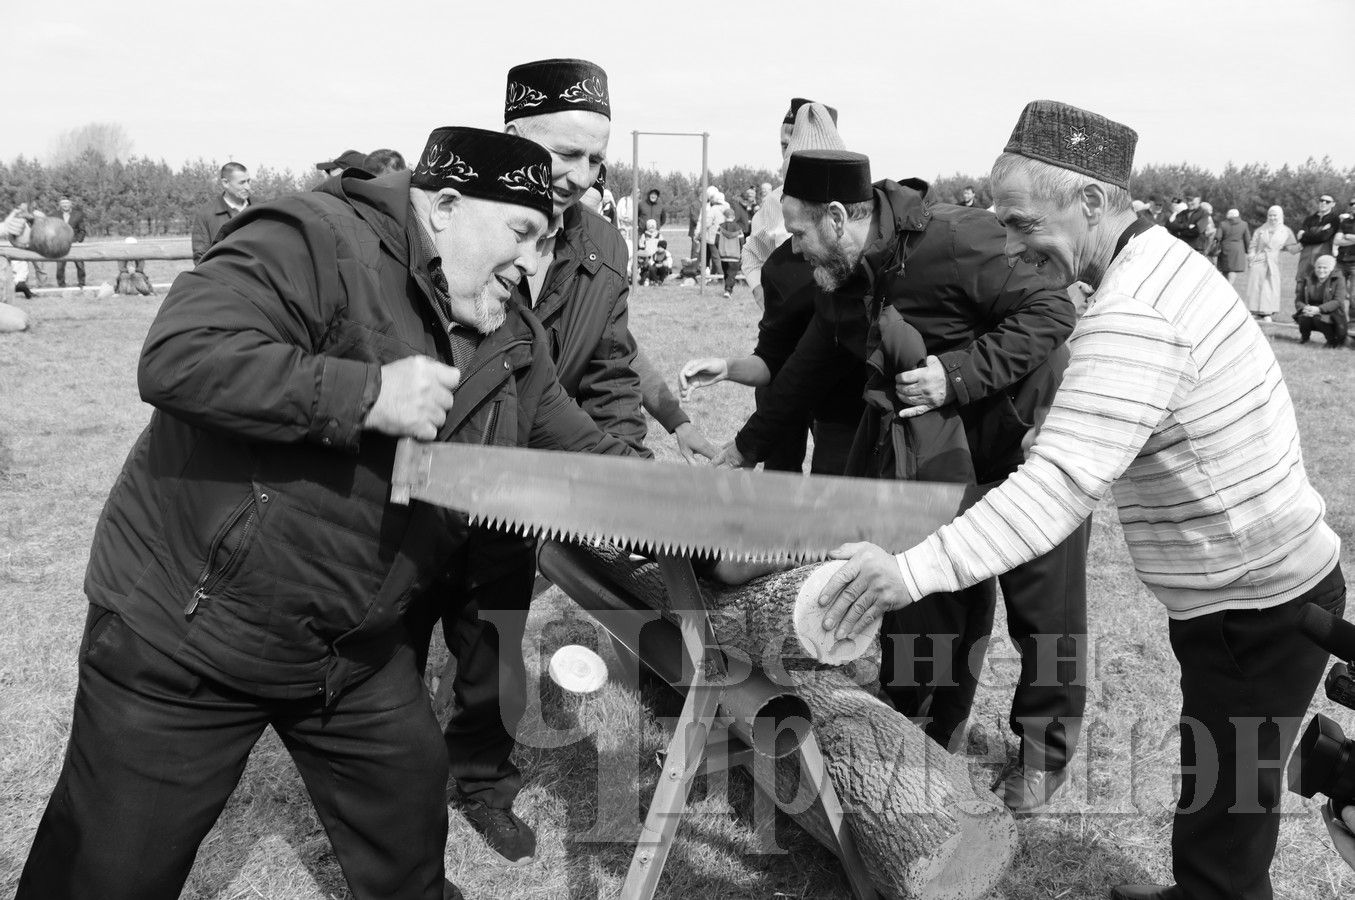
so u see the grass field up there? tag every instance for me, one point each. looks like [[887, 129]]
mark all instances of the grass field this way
[[71, 411]]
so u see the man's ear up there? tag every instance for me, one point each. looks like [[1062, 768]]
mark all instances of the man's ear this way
[[1094, 203], [443, 207], [837, 214]]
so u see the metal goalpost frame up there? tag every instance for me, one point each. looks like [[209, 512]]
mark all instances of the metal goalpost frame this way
[[700, 201]]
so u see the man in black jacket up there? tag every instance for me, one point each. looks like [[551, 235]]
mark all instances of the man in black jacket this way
[[579, 293], [212, 216], [993, 332], [1189, 224], [249, 568], [1316, 236], [75, 218]]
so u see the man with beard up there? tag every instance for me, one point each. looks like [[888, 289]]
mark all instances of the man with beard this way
[[899, 271], [1167, 367], [579, 294], [784, 282], [249, 569]]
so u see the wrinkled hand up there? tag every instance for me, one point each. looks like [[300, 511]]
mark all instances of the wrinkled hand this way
[[1342, 831], [868, 586], [730, 458], [922, 389], [699, 373], [692, 443], [416, 393]]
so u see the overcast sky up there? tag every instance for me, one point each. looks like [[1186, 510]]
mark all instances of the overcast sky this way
[[923, 87]]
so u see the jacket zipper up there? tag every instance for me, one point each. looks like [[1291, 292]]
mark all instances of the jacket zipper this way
[[493, 423], [208, 580]]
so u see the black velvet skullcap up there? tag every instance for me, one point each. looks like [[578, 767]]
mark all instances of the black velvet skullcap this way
[[554, 85], [490, 165], [796, 103], [1072, 138], [821, 176]]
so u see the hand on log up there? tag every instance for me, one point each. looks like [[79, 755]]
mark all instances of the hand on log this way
[[868, 584]]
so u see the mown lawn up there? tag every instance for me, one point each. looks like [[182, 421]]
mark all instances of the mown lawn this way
[[70, 412]]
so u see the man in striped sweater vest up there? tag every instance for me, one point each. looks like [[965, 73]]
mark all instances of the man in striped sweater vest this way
[[1172, 401]]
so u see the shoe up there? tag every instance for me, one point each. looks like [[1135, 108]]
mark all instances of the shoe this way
[[503, 831], [451, 891], [1266, 318], [1145, 892], [726, 293], [1026, 790]]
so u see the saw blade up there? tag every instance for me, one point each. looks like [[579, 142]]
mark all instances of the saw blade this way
[[672, 508]]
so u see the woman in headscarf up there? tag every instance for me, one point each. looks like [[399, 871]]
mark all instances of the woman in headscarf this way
[[1234, 244], [1263, 275]]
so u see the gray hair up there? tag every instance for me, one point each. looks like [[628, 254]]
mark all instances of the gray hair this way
[[855, 211], [1057, 185]]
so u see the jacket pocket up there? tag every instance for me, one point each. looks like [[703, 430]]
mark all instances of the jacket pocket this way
[[227, 550]]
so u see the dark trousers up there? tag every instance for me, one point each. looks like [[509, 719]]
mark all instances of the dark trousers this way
[[21, 287], [832, 445], [490, 686], [1332, 331], [155, 752], [933, 652], [1247, 677], [731, 269], [61, 273]]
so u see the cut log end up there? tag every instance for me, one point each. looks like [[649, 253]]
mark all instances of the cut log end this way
[[817, 641], [975, 859]]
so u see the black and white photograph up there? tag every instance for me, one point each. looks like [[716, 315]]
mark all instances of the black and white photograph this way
[[628, 451]]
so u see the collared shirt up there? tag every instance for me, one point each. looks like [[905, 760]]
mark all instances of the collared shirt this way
[[235, 208], [1174, 401]]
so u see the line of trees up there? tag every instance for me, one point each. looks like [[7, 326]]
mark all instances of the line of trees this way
[[141, 196]]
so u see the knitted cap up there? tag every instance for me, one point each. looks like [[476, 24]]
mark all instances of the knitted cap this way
[[796, 103], [814, 130], [1071, 138]]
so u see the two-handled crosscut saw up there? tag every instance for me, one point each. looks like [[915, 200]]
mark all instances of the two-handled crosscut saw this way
[[672, 511], [672, 508]]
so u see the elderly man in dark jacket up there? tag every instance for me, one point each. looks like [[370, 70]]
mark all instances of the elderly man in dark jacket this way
[[579, 294], [249, 568], [992, 332]]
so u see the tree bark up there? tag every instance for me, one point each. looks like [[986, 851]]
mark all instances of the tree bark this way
[[922, 832]]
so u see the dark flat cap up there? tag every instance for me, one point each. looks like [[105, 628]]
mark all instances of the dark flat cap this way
[[1072, 138], [554, 85], [490, 165], [821, 176], [796, 103], [349, 159]]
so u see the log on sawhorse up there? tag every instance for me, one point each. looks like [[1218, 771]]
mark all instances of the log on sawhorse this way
[[750, 707]]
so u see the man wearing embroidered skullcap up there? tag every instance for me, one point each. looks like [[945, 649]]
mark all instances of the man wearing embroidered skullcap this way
[[579, 294], [1167, 367], [784, 283], [249, 568], [960, 351]]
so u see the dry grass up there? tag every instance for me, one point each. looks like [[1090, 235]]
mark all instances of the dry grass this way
[[71, 411]]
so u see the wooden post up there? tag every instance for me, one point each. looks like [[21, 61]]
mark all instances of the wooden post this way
[[701, 222], [634, 209]]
